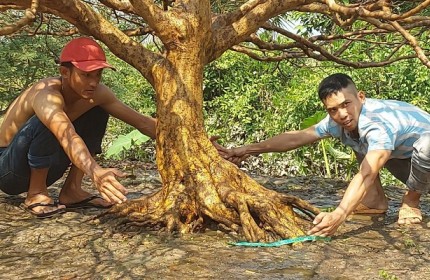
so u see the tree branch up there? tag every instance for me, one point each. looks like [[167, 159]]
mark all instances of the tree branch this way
[[29, 17], [382, 10], [413, 42], [235, 27], [152, 14], [301, 47], [228, 19], [90, 22], [118, 5], [288, 55], [229, 30]]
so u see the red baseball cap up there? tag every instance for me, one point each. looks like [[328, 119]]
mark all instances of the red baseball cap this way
[[85, 54]]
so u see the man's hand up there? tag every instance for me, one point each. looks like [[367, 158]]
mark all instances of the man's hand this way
[[222, 151], [235, 155], [326, 224], [108, 186]]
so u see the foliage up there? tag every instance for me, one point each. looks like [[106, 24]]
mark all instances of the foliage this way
[[24, 60], [122, 145], [383, 274], [309, 24], [265, 100], [407, 81]]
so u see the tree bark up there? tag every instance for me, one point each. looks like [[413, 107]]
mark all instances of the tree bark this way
[[197, 183]]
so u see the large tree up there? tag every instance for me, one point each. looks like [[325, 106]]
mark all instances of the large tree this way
[[197, 183]]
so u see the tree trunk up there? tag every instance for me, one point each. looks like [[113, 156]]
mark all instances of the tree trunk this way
[[197, 183]]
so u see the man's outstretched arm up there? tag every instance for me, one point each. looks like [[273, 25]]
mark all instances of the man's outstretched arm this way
[[326, 224], [116, 108], [284, 142]]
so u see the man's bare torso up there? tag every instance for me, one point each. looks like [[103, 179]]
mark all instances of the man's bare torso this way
[[22, 108]]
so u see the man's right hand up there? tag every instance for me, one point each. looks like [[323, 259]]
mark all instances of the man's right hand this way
[[235, 155], [108, 186]]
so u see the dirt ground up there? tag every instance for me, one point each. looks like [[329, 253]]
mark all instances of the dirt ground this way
[[75, 246]]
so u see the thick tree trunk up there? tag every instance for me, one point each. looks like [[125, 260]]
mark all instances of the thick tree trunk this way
[[197, 183]]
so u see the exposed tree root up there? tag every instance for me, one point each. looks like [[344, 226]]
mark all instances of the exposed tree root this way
[[230, 198]]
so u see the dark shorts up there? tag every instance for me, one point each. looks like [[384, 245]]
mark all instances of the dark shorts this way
[[34, 146]]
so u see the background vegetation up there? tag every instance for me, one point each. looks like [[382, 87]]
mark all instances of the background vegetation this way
[[245, 100]]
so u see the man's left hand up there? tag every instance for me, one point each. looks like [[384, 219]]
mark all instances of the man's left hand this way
[[326, 224]]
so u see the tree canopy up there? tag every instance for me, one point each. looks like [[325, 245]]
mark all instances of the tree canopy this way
[[264, 30]]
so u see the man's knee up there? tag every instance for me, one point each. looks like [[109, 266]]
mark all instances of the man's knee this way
[[422, 145], [421, 153], [43, 146], [92, 124], [399, 168], [12, 184], [419, 179], [42, 137], [11, 190]]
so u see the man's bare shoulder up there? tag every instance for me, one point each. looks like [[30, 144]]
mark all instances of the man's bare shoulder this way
[[39, 90], [23, 107], [50, 85], [104, 94], [102, 88], [46, 91]]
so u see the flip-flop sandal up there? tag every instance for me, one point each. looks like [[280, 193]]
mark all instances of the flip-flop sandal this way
[[87, 203], [29, 208], [410, 213]]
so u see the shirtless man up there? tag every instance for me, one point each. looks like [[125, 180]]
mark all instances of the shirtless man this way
[[62, 120]]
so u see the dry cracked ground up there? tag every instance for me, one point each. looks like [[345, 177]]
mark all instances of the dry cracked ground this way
[[75, 246]]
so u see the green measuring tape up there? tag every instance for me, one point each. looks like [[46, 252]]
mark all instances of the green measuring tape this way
[[281, 242]]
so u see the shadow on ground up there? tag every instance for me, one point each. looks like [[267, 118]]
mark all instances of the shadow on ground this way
[[73, 246]]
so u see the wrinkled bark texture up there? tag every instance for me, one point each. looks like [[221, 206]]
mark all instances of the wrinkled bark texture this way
[[198, 184]]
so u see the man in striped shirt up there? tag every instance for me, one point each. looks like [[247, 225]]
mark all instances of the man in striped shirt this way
[[382, 133]]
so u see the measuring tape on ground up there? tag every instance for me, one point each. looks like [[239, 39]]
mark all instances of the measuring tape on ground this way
[[281, 242]]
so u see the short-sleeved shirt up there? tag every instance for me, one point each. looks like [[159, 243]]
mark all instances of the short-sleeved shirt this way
[[382, 125]]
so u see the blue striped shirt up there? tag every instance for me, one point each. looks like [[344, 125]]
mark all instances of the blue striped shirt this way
[[382, 125]]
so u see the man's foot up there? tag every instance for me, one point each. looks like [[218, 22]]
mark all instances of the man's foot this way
[[78, 198], [372, 205], [42, 206], [363, 209], [410, 212], [92, 201], [374, 202], [73, 196], [409, 215]]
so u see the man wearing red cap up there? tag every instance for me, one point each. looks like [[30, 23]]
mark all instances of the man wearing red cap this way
[[62, 120]]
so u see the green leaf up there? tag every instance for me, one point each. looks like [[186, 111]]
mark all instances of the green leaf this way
[[314, 119], [337, 154], [124, 142]]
